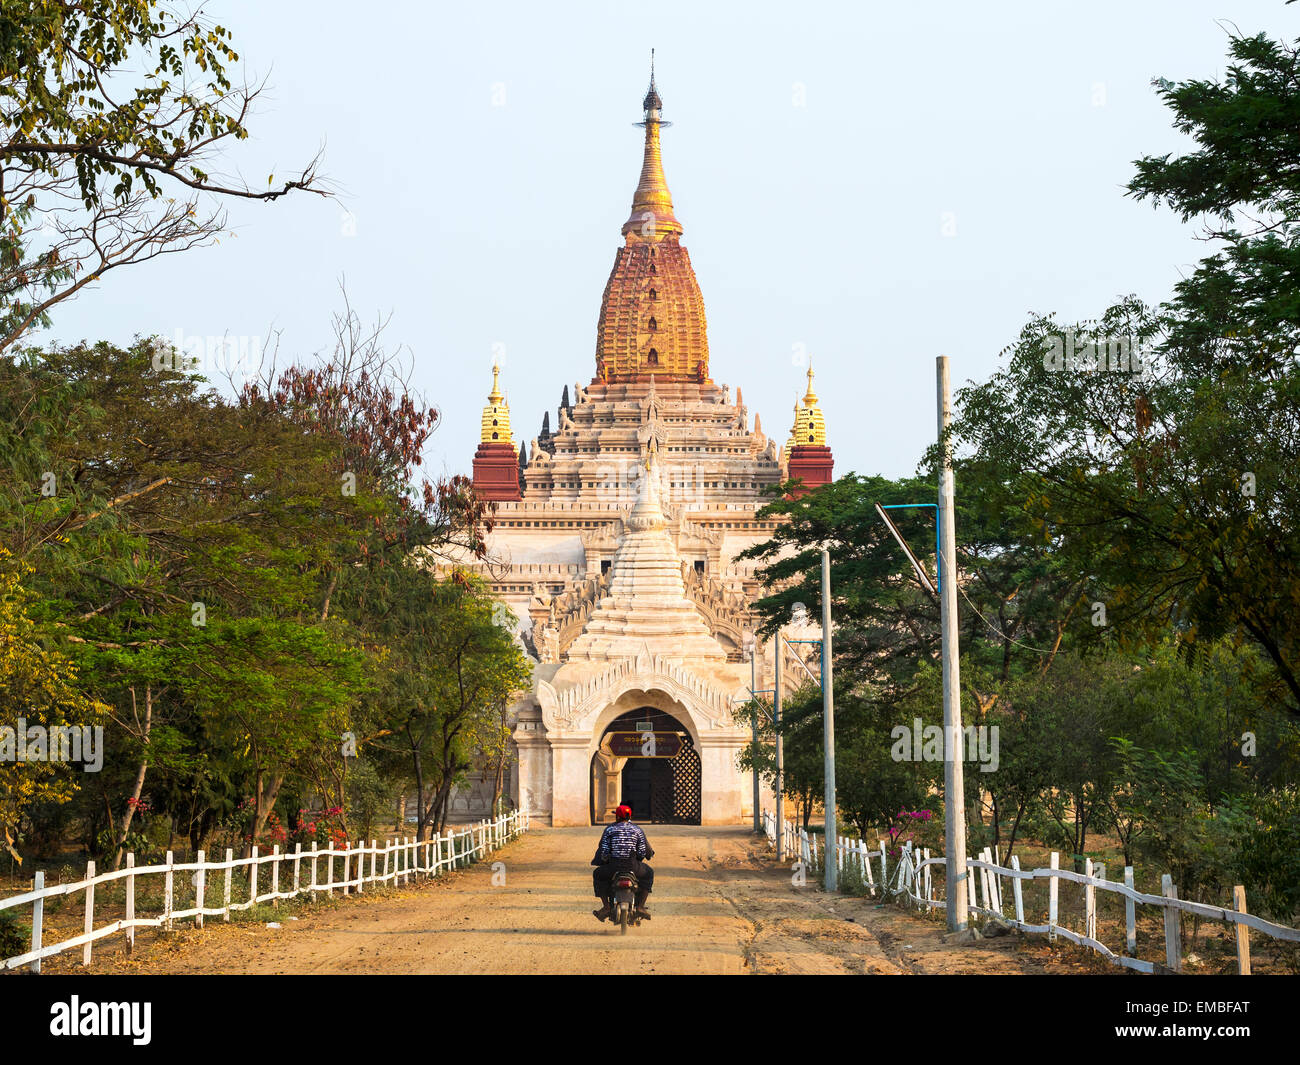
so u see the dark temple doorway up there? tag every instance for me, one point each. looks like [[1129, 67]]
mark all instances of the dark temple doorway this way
[[662, 789]]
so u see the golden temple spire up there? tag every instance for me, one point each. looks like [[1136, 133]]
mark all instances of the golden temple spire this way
[[652, 216], [810, 397], [652, 317], [810, 423], [496, 415]]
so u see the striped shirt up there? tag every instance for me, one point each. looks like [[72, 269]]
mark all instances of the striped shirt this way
[[623, 840]]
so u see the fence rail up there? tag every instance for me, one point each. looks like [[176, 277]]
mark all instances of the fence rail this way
[[402, 860], [912, 879]]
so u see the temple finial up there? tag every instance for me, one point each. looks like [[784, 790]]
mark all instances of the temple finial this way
[[810, 398], [652, 101], [652, 216]]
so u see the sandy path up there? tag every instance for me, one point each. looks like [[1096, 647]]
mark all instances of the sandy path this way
[[721, 905]]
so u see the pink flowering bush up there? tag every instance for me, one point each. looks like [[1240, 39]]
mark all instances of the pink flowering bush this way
[[915, 826]]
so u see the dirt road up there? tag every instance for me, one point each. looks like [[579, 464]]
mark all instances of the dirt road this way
[[721, 905]]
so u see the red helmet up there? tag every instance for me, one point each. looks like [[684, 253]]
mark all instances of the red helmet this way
[[623, 813]]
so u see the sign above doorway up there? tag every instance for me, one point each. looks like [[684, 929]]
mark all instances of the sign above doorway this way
[[638, 745]]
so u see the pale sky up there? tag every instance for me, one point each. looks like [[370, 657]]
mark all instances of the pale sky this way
[[819, 151]]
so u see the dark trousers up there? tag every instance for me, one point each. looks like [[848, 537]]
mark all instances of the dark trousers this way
[[602, 874]]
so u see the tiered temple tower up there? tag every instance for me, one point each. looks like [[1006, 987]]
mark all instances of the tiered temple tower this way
[[496, 463], [808, 459], [618, 551]]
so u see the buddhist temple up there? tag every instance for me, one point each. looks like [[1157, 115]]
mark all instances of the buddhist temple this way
[[616, 531]]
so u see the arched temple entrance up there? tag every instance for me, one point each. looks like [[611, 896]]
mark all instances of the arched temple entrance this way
[[647, 759]]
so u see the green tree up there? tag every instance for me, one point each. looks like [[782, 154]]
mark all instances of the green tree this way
[[37, 686], [277, 691], [450, 666], [1172, 495]]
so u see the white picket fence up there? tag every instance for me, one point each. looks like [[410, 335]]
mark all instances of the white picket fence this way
[[401, 860], [912, 879]]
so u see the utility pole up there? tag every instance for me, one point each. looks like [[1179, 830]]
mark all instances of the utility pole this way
[[780, 753], [954, 795], [752, 648], [828, 728]]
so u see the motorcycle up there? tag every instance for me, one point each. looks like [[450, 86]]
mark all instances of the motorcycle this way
[[622, 900]]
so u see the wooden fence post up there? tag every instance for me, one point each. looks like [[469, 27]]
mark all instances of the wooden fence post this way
[[90, 911], [1053, 885], [1099, 874], [1017, 890], [297, 868], [1243, 932], [130, 902], [252, 879], [314, 847], [347, 870], [168, 907], [1089, 902], [1130, 916], [329, 874], [1173, 946], [38, 917], [374, 860], [275, 875], [200, 884], [230, 870]]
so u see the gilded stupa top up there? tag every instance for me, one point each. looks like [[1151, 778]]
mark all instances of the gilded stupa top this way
[[652, 216], [809, 422], [652, 313], [496, 415]]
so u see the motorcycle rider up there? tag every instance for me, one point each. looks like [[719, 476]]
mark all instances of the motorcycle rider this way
[[622, 846]]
